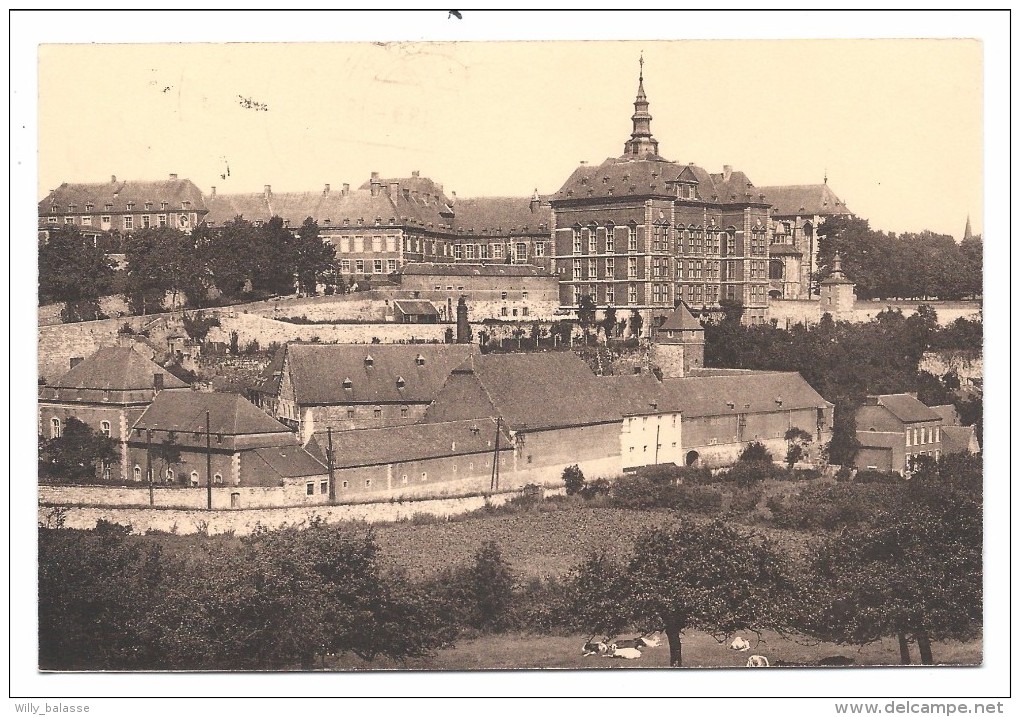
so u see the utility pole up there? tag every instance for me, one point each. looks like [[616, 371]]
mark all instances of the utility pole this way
[[658, 426], [208, 462], [148, 464], [329, 465]]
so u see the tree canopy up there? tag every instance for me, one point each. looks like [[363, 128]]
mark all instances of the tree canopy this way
[[75, 272], [77, 455]]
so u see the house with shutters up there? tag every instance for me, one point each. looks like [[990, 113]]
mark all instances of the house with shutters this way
[[107, 391]]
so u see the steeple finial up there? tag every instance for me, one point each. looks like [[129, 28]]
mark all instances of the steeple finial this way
[[641, 143], [966, 231], [825, 176], [641, 62]]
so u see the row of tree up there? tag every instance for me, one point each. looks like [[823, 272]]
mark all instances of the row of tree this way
[[235, 259], [909, 569], [908, 266]]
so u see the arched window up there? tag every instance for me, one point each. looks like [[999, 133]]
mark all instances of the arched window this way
[[169, 475], [194, 479], [218, 479], [55, 428], [137, 472], [104, 428]]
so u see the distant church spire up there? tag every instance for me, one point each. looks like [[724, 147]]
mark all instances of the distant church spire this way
[[966, 231], [641, 143]]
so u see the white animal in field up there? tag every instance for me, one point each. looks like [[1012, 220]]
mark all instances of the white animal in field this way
[[623, 653], [650, 640], [740, 644], [594, 648], [757, 661]]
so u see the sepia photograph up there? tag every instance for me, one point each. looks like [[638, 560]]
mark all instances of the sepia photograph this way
[[427, 356]]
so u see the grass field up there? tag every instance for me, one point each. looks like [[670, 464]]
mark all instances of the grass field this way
[[522, 652]]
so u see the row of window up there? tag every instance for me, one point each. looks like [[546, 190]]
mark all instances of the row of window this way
[[518, 251], [590, 236], [660, 294], [89, 206], [923, 435], [171, 477], [55, 428], [145, 221], [377, 266]]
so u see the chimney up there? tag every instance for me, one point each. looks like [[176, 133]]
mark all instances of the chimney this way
[[463, 328], [268, 190], [173, 175], [415, 173], [346, 189], [394, 190], [535, 201], [727, 170], [326, 190], [375, 183], [113, 179], [75, 360], [157, 381], [213, 192]]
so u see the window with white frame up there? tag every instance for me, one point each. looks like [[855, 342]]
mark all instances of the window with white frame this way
[[55, 428], [391, 265], [610, 268], [632, 238], [310, 488], [469, 251], [345, 266], [593, 271], [632, 294], [632, 268], [577, 269], [540, 248], [359, 266], [731, 244], [577, 294], [610, 238], [194, 479], [593, 245], [521, 257], [104, 428], [458, 251], [610, 295], [497, 251], [577, 240], [377, 266]]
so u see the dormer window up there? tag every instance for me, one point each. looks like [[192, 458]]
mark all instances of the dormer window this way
[[369, 361], [348, 384], [130, 206], [72, 208], [148, 206], [419, 360], [89, 206], [109, 207], [401, 382], [163, 205]]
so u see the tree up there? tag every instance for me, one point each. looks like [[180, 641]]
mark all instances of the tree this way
[[586, 314], [755, 452], [166, 453], [733, 310], [573, 479], [273, 253], [797, 440], [843, 446], [491, 585], [708, 577], [312, 257], [231, 256], [78, 455], [914, 572], [75, 272], [160, 261], [592, 597], [636, 322], [609, 322]]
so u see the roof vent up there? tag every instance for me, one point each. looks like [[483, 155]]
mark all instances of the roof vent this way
[[730, 404], [401, 382], [348, 383], [779, 400], [419, 360], [453, 445], [369, 361]]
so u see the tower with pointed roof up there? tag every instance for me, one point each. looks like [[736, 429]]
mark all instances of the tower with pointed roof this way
[[678, 345], [641, 142], [640, 233], [966, 230], [837, 291]]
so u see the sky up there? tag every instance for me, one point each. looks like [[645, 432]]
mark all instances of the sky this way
[[895, 125]]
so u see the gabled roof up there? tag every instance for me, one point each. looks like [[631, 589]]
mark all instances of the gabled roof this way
[[184, 411], [120, 194], [803, 200], [543, 390], [681, 320], [906, 407], [500, 216], [415, 442], [635, 394], [412, 307], [754, 392], [467, 269], [378, 373], [949, 414], [116, 368], [284, 461], [959, 439]]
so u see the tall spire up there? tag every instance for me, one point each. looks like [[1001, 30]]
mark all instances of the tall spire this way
[[966, 231], [641, 143]]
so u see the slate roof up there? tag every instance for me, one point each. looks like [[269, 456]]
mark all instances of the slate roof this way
[[284, 461], [754, 392], [318, 371], [330, 209], [635, 394], [653, 176], [681, 320], [116, 368], [411, 307], [906, 407], [229, 414], [543, 390], [949, 415], [803, 200], [463, 269], [415, 442], [120, 193], [784, 250], [488, 216], [959, 439]]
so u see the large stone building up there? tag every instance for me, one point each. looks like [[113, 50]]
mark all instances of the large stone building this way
[[312, 387], [643, 232], [797, 212], [118, 207], [387, 223], [108, 392]]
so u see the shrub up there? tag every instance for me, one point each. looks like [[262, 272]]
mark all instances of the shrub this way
[[573, 479], [755, 453], [877, 477], [597, 487], [832, 506], [744, 500], [844, 474], [748, 473], [698, 499]]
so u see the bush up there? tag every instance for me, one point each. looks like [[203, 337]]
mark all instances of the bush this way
[[755, 453], [745, 500], [877, 477], [748, 473], [597, 487], [573, 479], [832, 506], [643, 492], [698, 499], [844, 474]]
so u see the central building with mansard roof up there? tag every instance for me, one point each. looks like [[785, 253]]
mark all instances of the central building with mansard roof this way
[[641, 232]]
